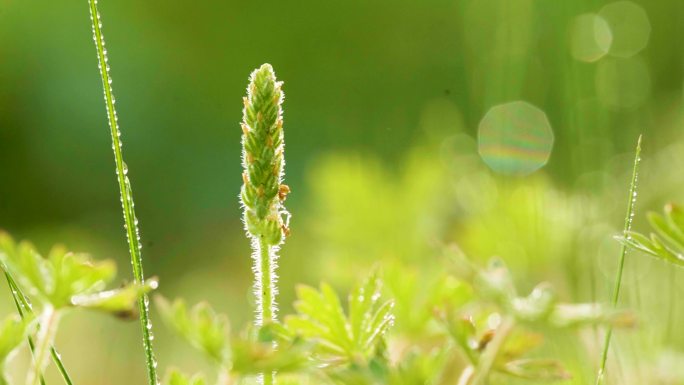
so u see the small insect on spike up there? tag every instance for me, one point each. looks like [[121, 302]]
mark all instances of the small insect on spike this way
[[283, 190]]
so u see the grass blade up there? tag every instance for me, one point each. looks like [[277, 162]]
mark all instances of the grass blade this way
[[23, 308], [131, 223], [621, 263]]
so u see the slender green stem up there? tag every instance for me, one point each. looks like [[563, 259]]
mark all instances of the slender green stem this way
[[621, 263], [24, 308], [486, 363], [20, 309], [48, 328], [267, 313], [131, 223]]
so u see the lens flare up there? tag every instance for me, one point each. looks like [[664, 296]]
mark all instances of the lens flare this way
[[515, 138]]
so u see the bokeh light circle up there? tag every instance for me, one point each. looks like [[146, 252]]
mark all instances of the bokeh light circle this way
[[629, 25], [622, 83], [590, 37], [515, 138]]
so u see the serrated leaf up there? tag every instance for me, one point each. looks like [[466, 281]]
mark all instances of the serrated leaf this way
[[62, 279], [342, 338], [202, 327]]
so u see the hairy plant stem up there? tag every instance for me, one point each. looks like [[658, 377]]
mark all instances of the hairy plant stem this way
[[481, 372], [131, 223], [23, 308], [267, 314], [621, 263], [266, 302], [49, 321]]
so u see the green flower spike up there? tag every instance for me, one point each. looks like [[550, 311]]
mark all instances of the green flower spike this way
[[262, 195]]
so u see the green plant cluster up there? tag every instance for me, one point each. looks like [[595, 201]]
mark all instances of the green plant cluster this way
[[475, 325], [43, 288]]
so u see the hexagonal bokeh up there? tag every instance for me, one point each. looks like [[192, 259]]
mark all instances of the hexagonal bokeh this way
[[590, 37], [629, 25], [515, 138]]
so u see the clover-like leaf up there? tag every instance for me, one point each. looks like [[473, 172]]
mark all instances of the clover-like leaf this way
[[202, 327], [175, 377], [342, 338], [57, 278]]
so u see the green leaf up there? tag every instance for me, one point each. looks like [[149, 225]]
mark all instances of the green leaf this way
[[250, 357], [57, 278], [462, 330], [667, 243], [202, 327], [419, 368], [118, 301], [175, 377], [663, 228], [13, 332], [342, 338], [537, 370]]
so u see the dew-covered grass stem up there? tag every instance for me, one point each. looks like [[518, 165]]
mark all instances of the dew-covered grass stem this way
[[131, 222], [621, 262]]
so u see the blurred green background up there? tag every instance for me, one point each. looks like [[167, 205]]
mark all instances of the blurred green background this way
[[383, 104]]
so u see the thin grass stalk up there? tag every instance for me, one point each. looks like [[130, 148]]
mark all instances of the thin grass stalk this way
[[621, 264], [46, 335], [23, 308], [130, 221]]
